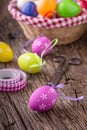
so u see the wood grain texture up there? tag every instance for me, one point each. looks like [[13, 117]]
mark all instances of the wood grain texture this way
[[65, 115]]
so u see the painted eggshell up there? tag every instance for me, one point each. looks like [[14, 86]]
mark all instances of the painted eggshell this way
[[83, 3], [43, 99], [6, 53], [30, 62], [40, 44], [29, 9], [58, 1], [21, 3], [46, 7], [68, 8]]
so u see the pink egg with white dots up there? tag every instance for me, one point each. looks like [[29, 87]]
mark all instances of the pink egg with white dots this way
[[43, 99], [40, 44]]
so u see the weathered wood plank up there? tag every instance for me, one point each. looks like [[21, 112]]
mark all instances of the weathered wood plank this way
[[65, 115]]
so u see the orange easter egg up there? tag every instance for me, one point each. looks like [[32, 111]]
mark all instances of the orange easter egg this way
[[46, 7]]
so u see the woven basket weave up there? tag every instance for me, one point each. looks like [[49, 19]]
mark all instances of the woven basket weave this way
[[65, 33]]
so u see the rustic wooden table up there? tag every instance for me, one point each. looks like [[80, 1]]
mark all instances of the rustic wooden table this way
[[65, 115]]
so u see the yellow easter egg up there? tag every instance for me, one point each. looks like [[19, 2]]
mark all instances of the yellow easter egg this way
[[6, 53]]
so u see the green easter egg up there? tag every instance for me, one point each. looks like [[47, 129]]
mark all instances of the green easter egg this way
[[30, 62], [68, 8]]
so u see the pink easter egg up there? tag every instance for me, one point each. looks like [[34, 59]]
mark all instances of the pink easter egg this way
[[40, 44], [43, 99]]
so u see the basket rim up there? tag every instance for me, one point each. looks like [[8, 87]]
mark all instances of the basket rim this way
[[50, 23]]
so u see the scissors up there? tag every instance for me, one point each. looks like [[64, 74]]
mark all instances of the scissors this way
[[63, 67]]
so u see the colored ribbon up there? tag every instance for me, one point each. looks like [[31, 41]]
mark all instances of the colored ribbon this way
[[49, 47], [12, 80], [64, 96], [27, 43]]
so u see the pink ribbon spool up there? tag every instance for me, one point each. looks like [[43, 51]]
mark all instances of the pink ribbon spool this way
[[9, 76], [12, 80]]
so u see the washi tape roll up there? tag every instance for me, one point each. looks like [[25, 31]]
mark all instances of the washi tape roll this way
[[15, 83], [9, 76]]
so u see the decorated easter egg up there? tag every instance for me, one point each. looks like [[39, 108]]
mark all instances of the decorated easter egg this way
[[68, 8], [6, 53], [29, 9], [46, 7], [21, 3], [40, 44], [30, 62], [83, 3], [43, 99]]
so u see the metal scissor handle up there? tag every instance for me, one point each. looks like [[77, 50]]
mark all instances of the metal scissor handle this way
[[63, 66], [75, 61], [59, 58]]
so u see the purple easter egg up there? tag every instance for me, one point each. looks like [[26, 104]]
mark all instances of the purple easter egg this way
[[40, 44], [29, 9], [43, 99]]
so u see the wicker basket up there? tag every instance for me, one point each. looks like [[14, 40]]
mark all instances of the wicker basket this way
[[68, 32], [65, 35]]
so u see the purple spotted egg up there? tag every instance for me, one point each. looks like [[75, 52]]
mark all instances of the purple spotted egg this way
[[40, 44], [43, 99]]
